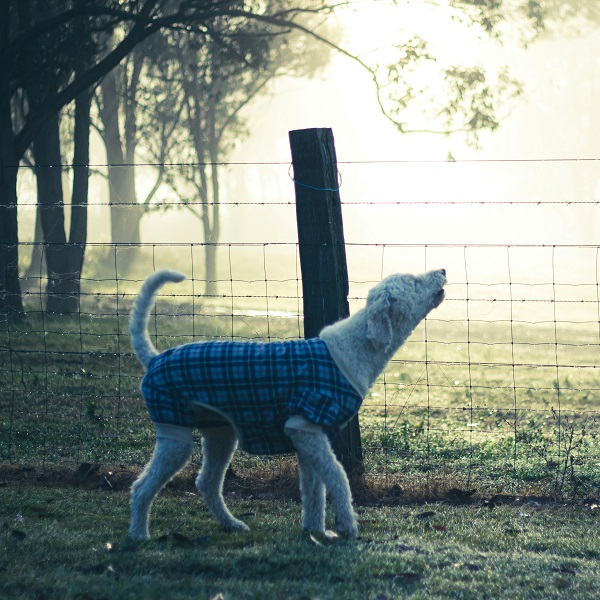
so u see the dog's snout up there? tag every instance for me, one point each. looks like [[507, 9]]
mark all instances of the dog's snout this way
[[443, 272]]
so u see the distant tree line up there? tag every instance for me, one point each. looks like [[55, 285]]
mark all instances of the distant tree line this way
[[166, 80]]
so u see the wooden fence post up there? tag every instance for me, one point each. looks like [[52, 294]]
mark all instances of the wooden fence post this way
[[323, 255]]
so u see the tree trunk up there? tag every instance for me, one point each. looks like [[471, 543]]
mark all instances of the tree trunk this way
[[210, 263], [46, 152], [212, 220], [64, 259], [11, 303], [125, 212], [79, 204], [37, 266]]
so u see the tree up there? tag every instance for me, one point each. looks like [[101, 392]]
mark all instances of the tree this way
[[26, 24], [214, 79], [63, 255], [178, 96], [133, 101]]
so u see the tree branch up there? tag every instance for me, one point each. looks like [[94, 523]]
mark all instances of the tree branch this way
[[144, 27]]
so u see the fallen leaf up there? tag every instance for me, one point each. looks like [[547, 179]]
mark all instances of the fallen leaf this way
[[425, 515], [538, 500], [18, 535], [323, 539], [439, 528], [109, 547]]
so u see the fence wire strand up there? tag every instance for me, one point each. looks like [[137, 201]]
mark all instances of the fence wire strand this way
[[497, 389]]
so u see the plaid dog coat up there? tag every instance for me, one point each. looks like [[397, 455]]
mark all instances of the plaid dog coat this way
[[255, 386]]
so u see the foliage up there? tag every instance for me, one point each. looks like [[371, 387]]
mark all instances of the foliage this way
[[42, 58]]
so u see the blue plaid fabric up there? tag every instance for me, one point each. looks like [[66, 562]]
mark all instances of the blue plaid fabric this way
[[255, 386]]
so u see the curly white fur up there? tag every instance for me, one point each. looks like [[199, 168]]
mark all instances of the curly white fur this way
[[140, 313], [363, 344], [360, 345]]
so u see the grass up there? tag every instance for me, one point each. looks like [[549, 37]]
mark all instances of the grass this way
[[490, 406], [466, 405], [70, 543]]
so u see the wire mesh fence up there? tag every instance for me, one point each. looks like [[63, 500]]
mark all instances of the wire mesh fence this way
[[496, 390]]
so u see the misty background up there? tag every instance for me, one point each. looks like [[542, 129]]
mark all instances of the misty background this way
[[491, 214]]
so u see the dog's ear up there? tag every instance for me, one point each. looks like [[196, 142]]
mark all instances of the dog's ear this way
[[379, 318]]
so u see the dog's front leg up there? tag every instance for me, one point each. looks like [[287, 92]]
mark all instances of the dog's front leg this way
[[316, 452], [218, 446]]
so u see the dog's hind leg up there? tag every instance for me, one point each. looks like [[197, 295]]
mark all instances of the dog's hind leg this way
[[169, 457], [218, 446], [314, 450], [313, 496]]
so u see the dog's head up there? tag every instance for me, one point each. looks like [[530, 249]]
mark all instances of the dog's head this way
[[396, 305]]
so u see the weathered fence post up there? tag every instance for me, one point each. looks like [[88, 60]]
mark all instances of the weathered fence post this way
[[323, 255]]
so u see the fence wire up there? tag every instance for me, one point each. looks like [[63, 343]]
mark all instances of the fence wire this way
[[497, 389]]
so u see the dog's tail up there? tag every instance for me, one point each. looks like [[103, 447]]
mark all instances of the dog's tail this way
[[140, 313]]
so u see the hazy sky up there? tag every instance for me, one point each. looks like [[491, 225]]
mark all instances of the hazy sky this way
[[556, 118], [398, 189]]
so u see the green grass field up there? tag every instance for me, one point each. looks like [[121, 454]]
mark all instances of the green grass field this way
[[470, 406], [495, 407], [70, 543]]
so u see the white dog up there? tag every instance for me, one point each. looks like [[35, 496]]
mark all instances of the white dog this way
[[277, 397]]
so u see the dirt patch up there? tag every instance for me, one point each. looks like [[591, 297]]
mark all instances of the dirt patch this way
[[367, 491]]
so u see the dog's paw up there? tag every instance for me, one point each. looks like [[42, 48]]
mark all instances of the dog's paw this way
[[347, 529], [235, 525]]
